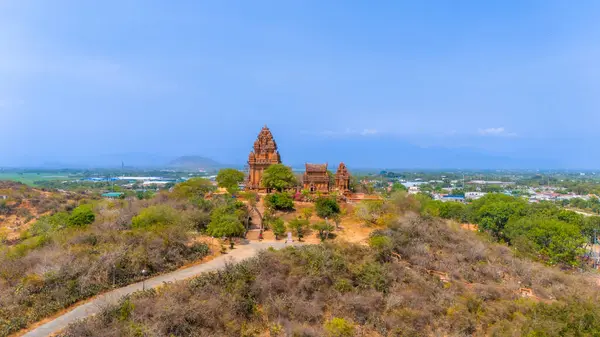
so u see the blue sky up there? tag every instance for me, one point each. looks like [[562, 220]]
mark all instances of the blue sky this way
[[376, 84]]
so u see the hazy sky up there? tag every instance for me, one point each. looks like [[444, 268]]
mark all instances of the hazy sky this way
[[385, 83]]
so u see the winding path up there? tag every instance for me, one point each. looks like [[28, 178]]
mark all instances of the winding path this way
[[98, 303]]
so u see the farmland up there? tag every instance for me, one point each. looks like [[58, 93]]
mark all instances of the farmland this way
[[29, 178]]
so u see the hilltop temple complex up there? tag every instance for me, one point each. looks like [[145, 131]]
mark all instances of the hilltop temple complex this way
[[315, 179]]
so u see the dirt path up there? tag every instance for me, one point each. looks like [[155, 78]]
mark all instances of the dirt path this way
[[98, 303]]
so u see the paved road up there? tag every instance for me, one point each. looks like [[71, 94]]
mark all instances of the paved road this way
[[100, 302]]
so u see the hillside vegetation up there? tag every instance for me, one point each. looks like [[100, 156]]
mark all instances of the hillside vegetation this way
[[419, 277], [21, 205], [540, 231], [76, 253]]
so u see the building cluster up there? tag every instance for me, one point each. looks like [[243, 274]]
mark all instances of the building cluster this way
[[552, 194], [315, 178]]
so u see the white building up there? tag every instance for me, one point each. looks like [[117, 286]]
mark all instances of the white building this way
[[474, 195], [414, 190]]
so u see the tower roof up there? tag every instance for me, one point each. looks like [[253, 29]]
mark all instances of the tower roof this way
[[342, 170], [265, 141], [316, 167]]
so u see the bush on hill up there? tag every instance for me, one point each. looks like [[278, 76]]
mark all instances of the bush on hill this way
[[225, 225], [194, 188], [159, 215], [279, 201], [82, 216], [65, 258], [327, 207], [541, 230], [341, 289]]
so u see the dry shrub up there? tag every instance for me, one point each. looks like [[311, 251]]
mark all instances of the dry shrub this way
[[293, 292]]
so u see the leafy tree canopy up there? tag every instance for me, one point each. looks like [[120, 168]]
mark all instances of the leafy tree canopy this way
[[230, 179], [194, 188], [396, 187], [82, 216], [493, 216], [327, 207], [159, 215], [307, 212], [278, 227], [278, 177], [225, 225], [299, 226], [560, 241], [324, 229], [279, 201]]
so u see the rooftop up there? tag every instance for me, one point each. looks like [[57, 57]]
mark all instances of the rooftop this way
[[316, 167]]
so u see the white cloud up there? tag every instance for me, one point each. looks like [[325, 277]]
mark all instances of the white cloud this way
[[491, 131], [500, 131], [367, 132]]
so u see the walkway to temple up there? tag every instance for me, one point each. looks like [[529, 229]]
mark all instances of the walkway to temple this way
[[98, 303]]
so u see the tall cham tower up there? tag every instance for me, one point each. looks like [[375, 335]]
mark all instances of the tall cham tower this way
[[263, 155], [342, 179]]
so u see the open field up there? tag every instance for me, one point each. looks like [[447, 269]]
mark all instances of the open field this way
[[30, 177]]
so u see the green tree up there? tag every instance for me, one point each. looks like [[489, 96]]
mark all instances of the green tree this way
[[324, 229], [278, 177], [591, 227], [268, 218], [327, 207], [49, 223], [225, 225], [397, 187], [299, 226], [280, 201], [194, 188], [495, 212], [153, 216], [458, 192], [230, 179], [453, 210], [570, 217], [560, 241], [542, 209], [307, 213], [278, 228], [144, 195], [82, 216], [431, 207]]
